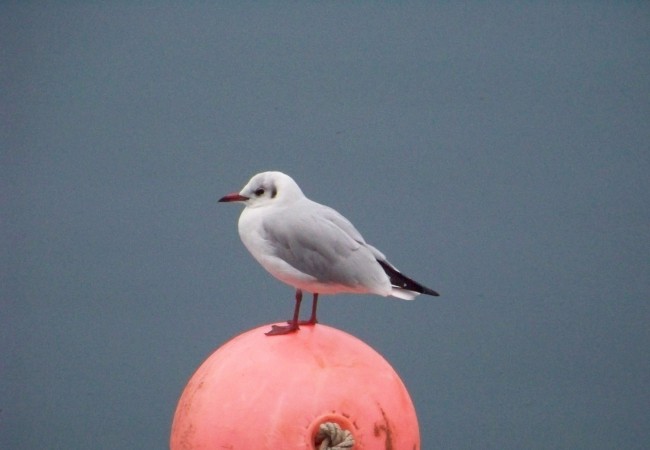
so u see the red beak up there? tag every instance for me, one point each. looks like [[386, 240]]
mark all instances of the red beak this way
[[234, 197]]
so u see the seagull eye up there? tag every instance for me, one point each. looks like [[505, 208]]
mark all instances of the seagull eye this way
[[259, 192]]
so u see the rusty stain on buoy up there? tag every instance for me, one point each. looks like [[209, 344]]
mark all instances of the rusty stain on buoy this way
[[386, 429]]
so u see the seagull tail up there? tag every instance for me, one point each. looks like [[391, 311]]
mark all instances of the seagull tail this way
[[403, 286], [404, 294]]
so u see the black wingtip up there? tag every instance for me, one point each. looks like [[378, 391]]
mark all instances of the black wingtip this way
[[400, 280], [430, 292]]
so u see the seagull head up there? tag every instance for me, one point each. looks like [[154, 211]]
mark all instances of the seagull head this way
[[266, 188]]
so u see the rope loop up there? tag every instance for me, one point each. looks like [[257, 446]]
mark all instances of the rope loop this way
[[332, 437]]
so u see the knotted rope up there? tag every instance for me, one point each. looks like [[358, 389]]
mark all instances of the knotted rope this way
[[332, 437]]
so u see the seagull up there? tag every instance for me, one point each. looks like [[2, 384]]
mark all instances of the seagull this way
[[312, 247]]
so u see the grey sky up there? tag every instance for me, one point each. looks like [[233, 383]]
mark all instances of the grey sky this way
[[497, 152]]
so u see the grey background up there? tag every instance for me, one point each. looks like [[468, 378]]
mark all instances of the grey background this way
[[498, 152]]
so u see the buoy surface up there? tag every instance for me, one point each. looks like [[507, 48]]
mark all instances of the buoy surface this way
[[260, 392]]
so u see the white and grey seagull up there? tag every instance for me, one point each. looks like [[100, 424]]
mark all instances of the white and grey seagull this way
[[312, 247]]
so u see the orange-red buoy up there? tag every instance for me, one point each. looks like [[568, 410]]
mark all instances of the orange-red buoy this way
[[258, 392]]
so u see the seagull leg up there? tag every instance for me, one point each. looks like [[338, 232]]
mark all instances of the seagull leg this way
[[312, 319], [293, 324]]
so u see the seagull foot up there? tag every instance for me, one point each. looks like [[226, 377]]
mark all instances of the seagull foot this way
[[277, 330]]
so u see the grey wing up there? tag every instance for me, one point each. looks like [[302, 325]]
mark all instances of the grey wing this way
[[403, 286], [343, 223], [318, 241]]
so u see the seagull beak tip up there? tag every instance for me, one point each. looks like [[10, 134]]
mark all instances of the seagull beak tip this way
[[234, 197]]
